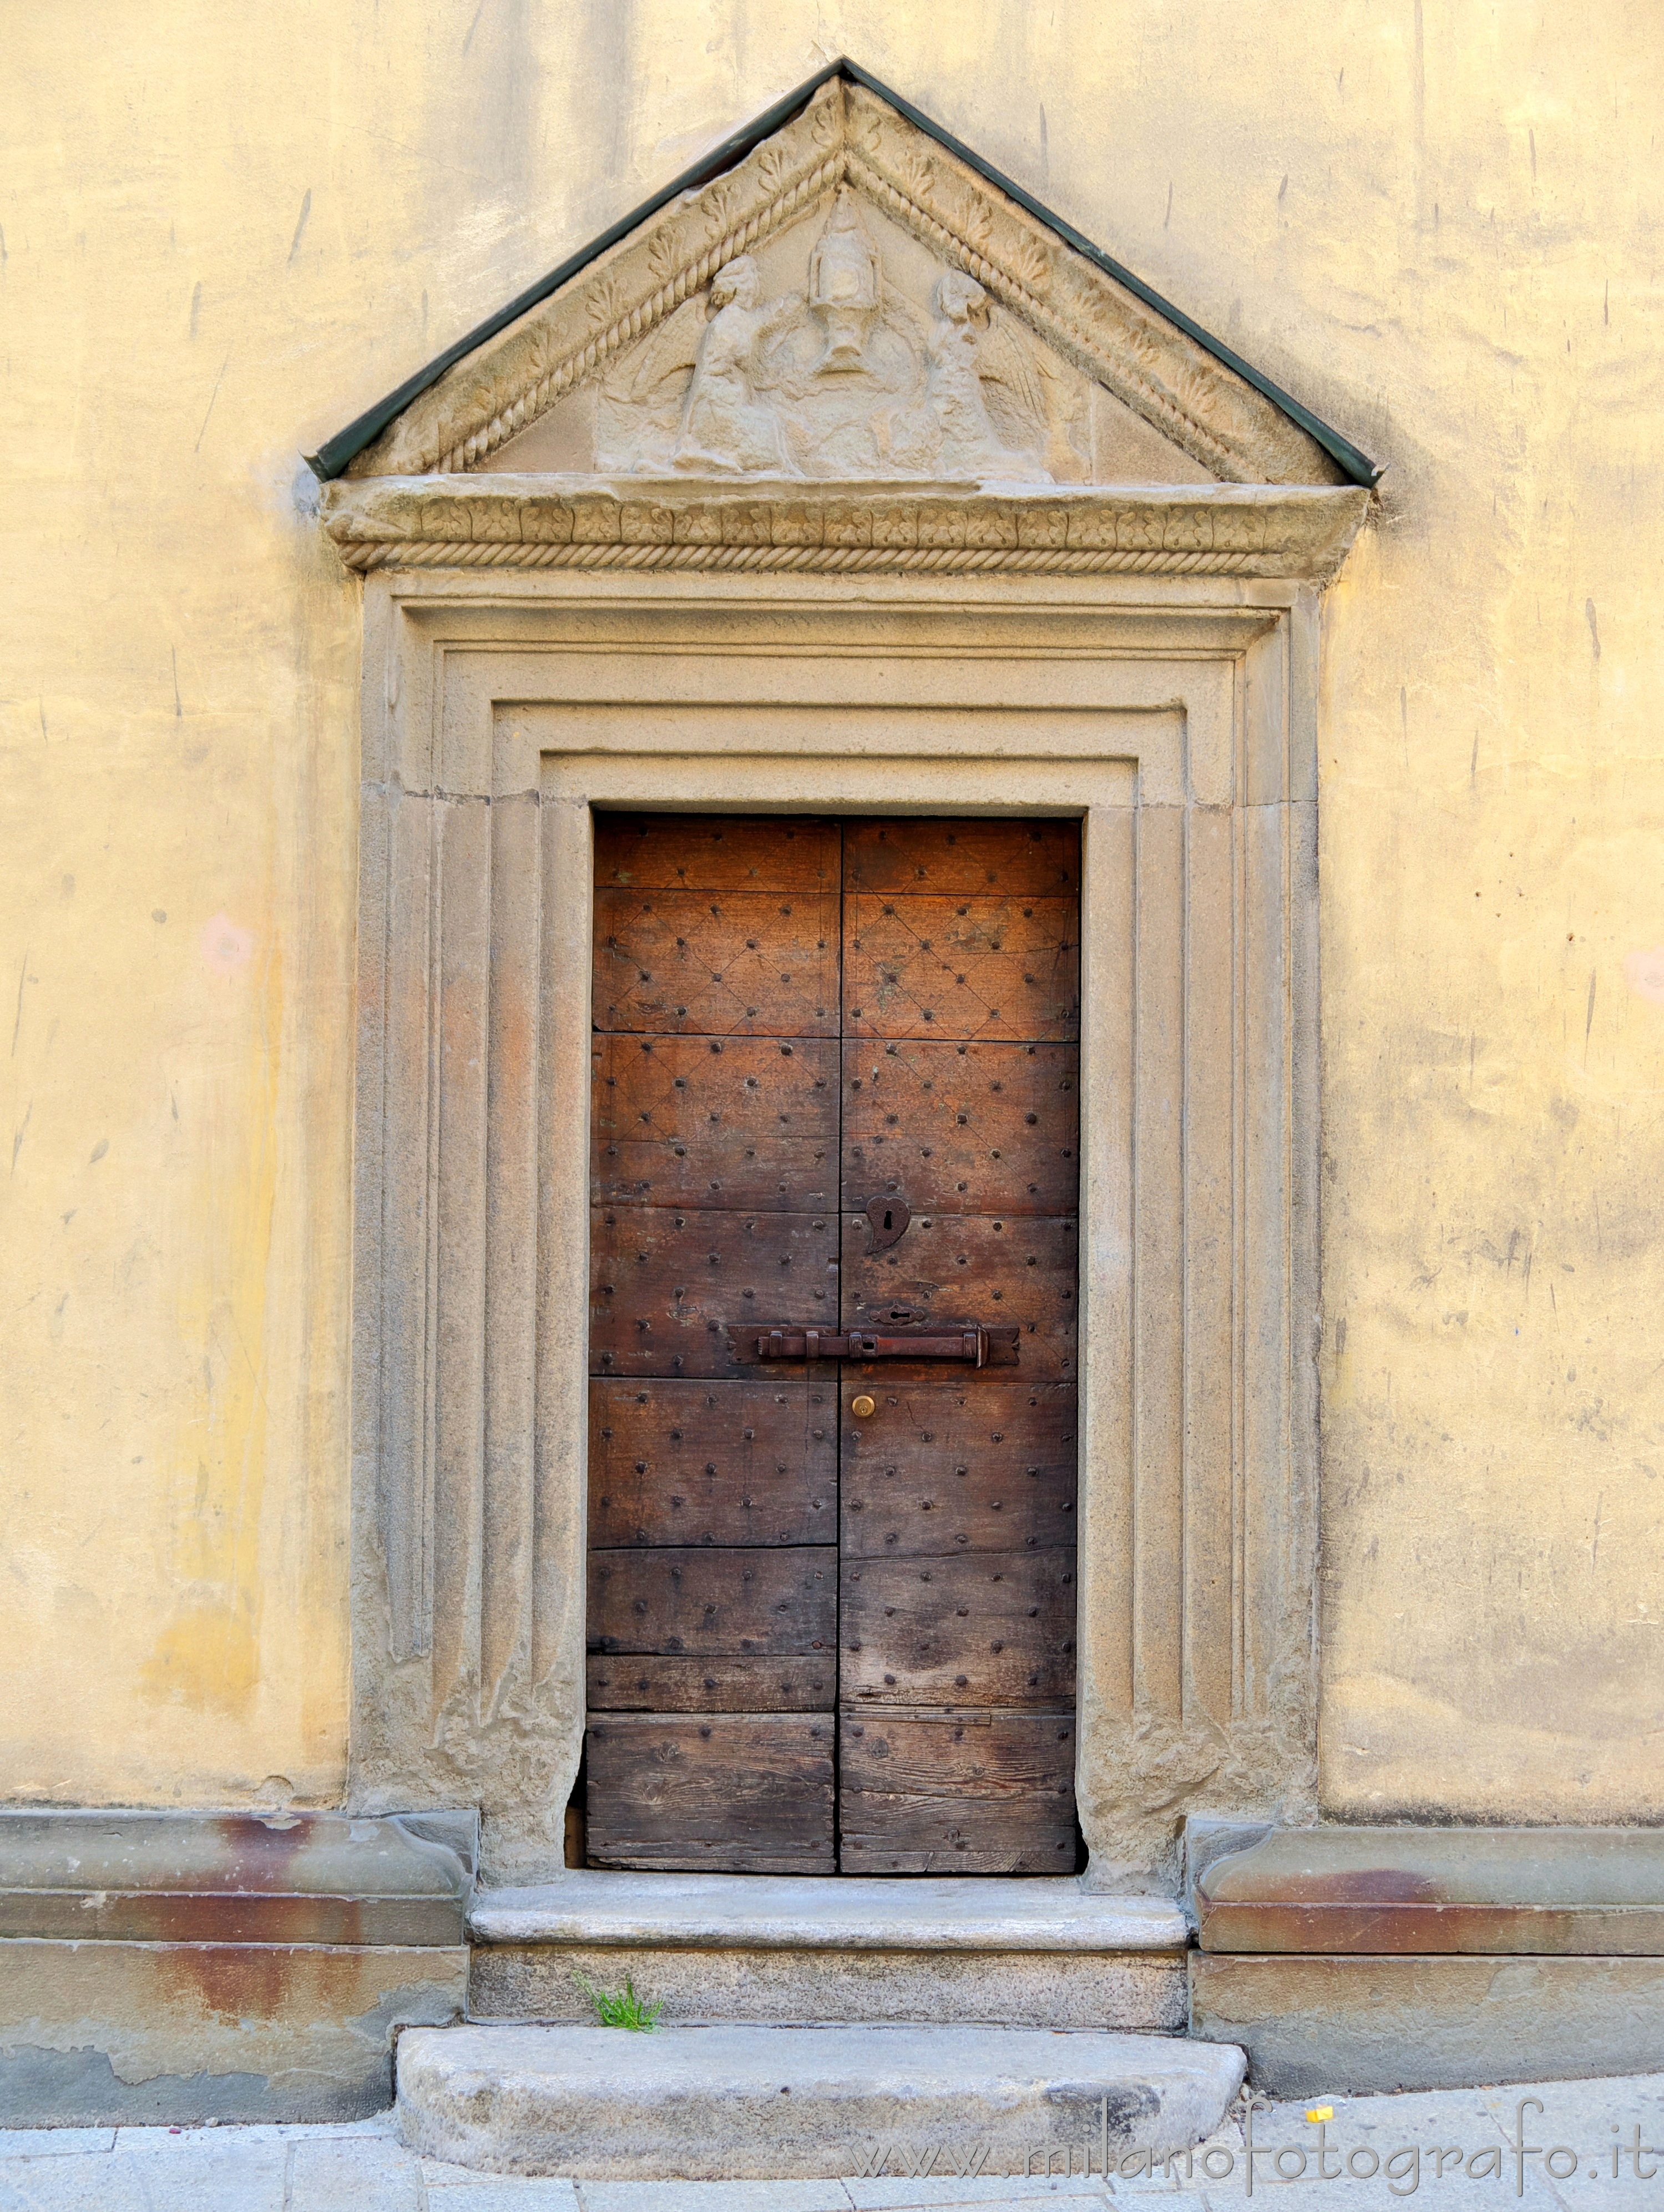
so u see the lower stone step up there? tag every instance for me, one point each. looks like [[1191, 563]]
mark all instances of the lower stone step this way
[[743, 2103]]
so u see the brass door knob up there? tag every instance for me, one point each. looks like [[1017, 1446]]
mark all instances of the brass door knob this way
[[863, 1408]]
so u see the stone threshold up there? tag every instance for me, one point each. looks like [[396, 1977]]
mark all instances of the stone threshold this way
[[806, 1912]]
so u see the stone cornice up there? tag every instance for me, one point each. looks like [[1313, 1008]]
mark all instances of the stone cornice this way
[[1294, 531]]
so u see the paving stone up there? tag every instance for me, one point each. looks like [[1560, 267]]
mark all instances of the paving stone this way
[[373, 2176], [506, 2193], [712, 2197], [204, 2169], [54, 2142], [79, 2184], [983, 2191]]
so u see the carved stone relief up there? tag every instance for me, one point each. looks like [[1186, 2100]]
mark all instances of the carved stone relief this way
[[665, 352], [846, 375]]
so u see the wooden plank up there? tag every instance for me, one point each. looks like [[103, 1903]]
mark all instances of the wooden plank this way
[[757, 1601], [980, 1793], [960, 968], [923, 854], [717, 853], [721, 1794], [646, 1682], [952, 1269], [987, 1465], [967, 1128], [974, 1629], [712, 1462], [734, 964], [709, 1121], [666, 1285]]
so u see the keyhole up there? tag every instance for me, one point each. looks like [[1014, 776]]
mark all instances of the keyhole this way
[[890, 1218]]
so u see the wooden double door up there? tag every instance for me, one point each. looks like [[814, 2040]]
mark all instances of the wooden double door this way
[[832, 1469]]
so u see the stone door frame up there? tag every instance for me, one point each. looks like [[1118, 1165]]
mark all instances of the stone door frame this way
[[1178, 715]]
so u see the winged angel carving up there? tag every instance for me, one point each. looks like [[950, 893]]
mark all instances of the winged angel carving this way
[[849, 378]]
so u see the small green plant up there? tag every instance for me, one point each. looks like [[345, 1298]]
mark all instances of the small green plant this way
[[622, 2008]]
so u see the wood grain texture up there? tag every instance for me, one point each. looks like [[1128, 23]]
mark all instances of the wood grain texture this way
[[723, 1794], [947, 1267], [649, 1682], [712, 1462], [962, 1128], [666, 1285], [705, 1121], [961, 968], [976, 1629], [737, 1143], [716, 852], [977, 1793], [921, 852], [987, 1465], [757, 1601], [725, 963]]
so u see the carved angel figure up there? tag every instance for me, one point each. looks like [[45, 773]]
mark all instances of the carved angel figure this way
[[725, 425], [958, 359]]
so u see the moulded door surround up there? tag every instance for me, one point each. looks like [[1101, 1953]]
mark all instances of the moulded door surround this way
[[1174, 718]]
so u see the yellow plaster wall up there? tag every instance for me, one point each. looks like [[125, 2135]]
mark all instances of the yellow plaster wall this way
[[225, 229]]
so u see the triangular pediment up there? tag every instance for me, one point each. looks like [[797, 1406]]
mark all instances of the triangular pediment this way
[[852, 298]]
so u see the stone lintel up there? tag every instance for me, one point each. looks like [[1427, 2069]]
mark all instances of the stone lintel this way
[[1300, 531]]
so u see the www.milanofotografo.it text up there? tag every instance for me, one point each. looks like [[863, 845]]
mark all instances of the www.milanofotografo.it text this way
[[1257, 2162]]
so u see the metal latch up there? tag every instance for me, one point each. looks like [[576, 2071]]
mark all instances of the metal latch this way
[[978, 1346]]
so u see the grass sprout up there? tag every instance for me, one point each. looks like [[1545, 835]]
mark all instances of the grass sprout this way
[[622, 2008]]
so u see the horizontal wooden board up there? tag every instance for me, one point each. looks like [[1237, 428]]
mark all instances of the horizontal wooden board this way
[[720, 1793], [931, 853], [944, 1465], [712, 1122], [648, 1683], [948, 1268], [987, 1793], [717, 851], [726, 963], [961, 968], [760, 1601], [666, 1285], [751, 1462], [965, 1128], [973, 1628]]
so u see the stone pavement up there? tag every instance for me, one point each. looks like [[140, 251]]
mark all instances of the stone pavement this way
[[1452, 2147]]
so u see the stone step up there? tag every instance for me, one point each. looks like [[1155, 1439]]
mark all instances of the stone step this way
[[791, 1950], [743, 2102]]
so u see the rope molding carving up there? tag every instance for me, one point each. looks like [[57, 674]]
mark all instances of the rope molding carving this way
[[797, 199], [1148, 399], [846, 136], [847, 166], [814, 559], [504, 521]]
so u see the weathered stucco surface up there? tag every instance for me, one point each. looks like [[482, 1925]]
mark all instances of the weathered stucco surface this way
[[224, 232]]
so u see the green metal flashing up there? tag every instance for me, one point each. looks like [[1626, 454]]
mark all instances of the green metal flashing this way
[[334, 454]]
